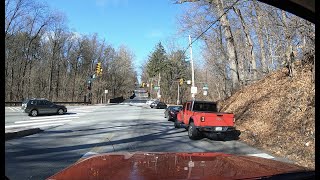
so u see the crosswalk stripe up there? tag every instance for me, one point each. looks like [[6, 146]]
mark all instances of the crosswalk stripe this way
[[46, 125], [11, 108], [17, 109], [55, 117], [81, 114], [41, 120], [31, 124], [81, 111]]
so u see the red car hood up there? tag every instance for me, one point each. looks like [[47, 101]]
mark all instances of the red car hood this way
[[175, 166]]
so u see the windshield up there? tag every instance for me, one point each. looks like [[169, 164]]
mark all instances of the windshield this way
[[176, 108]]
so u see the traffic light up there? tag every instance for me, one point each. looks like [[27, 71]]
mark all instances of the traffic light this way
[[100, 72], [98, 68], [89, 86], [181, 81]]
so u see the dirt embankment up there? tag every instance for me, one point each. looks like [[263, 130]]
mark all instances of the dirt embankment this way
[[277, 114]]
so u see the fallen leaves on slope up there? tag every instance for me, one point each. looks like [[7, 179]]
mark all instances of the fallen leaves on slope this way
[[277, 114]]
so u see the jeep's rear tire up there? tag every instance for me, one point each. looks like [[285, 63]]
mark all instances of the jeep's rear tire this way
[[33, 113], [193, 132]]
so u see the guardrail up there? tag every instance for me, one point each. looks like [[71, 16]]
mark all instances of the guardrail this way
[[19, 103]]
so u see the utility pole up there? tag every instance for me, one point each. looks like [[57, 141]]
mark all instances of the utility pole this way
[[192, 69], [178, 98], [159, 92], [150, 88]]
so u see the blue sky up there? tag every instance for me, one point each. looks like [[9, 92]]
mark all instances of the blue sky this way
[[138, 24]]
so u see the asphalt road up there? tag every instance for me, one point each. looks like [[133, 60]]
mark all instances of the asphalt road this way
[[102, 129]]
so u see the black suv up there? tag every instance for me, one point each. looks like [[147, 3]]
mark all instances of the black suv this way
[[158, 105], [42, 106]]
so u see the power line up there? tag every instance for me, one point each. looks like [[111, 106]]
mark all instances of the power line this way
[[225, 12]]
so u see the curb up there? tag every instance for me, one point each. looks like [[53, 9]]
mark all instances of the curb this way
[[17, 134]]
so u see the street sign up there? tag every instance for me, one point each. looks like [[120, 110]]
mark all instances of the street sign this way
[[106, 91], [194, 90], [205, 93], [205, 88], [156, 87], [189, 82]]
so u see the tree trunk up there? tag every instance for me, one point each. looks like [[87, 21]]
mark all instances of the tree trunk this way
[[289, 53], [233, 59], [249, 44], [57, 85], [50, 78], [260, 38], [11, 85], [29, 80]]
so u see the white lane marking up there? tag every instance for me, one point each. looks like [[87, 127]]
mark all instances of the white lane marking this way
[[88, 154], [81, 114], [80, 111], [35, 124], [17, 109], [263, 155], [87, 108], [11, 108], [54, 117], [45, 125], [41, 120], [38, 126]]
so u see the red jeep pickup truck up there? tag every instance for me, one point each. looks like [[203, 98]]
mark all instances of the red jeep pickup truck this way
[[202, 118]]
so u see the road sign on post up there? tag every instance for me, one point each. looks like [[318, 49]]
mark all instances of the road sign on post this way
[[194, 90], [106, 91], [205, 93], [189, 82]]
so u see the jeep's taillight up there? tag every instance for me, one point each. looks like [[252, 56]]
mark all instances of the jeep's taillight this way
[[234, 120], [202, 119]]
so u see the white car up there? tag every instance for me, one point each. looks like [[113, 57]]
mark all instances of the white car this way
[[149, 102]]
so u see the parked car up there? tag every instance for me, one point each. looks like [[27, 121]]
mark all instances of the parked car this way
[[149, 102], [38, 106], [154, 103], [171, 112], [203, 118], [158, 105]]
